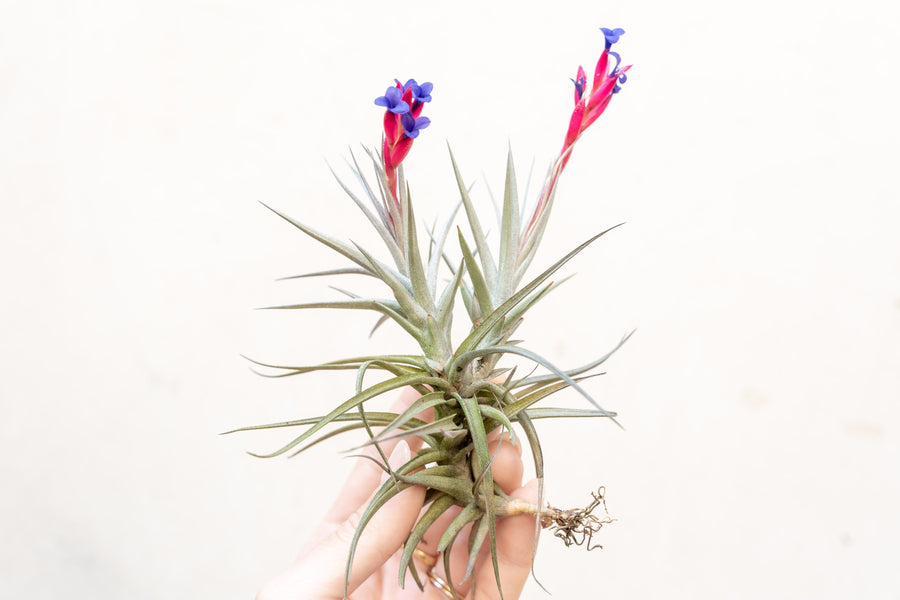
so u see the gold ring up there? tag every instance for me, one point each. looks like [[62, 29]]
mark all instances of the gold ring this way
[[440, 584], [428, 559]]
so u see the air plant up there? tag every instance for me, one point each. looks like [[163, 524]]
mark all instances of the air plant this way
[[463, 383]]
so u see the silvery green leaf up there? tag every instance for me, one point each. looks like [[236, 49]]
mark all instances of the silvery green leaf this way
[[487, 261], [377, 222], [392, 362], [487, 325], [441, 426], [579, 370], [517, 313], [537, 454], [548, 413], [335, 245], [416, 269], [387, 307], [482, 294], [449, 485], [509, 233], [422, 403], [387, 200], [492, 413], [381, 321], [434, 259], [411, 309], [476, 540], [344, 271], [377, 389], [541, 361], [438, 507], [468, 514], [445, 304]]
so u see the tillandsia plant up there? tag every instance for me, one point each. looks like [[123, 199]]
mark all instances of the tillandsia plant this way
[[463, 384]]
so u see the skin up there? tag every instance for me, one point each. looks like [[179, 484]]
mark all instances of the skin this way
[[318, 573]]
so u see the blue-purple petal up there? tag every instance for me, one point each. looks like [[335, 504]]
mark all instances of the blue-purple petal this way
[[412, 126], [612, 35], [579, 86], [392, 101]]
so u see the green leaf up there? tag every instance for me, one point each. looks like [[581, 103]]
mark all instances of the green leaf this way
[[377, 222], [449, 485], [481, 465], [541, 361], [387, 491], [437, 254], [468, 514], [526, 304], [422, 403], [480, 332], [417, 278], [536, 393], [344, 271], [582, 369], [538, 457], [567, 413], [335, 245], [530, 243], [357, 172], [411, 309], [492, 413], [329, 435], [395, 363], [437, 343], [482, 293], [439, 426], [445, 305], [487, 261], [448, 573], [437, 508], [387, 417], [387, 199], [476, 540], [385, 307], [509, 232], [371, 392]]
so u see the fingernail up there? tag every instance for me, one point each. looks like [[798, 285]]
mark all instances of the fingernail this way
[[398, 458]]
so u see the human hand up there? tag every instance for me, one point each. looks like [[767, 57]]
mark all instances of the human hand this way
[[318, 573]]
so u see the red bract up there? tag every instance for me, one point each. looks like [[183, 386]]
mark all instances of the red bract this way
[[397, 140], [588, 107]]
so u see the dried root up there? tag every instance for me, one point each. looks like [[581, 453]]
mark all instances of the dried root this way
[[575, 526]]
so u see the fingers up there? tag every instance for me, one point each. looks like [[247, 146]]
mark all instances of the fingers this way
[[366, 474], [507, 469], [320, 574], [507, 466], [515, 537]]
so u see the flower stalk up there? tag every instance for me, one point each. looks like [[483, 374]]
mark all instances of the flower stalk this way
[[403, 105], [589, 105]]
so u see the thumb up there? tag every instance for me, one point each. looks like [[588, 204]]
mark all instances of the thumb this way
[[320, 573]]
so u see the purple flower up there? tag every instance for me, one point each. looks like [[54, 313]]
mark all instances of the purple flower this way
[[412, 125], [579, 87], [622, 79], [421, 93], [393, 101], [612, 35]]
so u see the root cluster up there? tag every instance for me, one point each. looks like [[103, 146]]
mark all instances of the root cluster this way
[[577, 526]]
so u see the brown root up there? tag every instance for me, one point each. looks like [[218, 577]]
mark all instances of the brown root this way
[[574, 526]]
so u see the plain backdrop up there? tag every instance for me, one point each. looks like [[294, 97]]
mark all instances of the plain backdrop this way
[[752, 155]]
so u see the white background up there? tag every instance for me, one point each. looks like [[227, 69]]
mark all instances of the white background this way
[[750, 154]]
